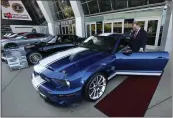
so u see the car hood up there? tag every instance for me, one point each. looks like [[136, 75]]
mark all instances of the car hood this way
[[7, 40], [71, 61]]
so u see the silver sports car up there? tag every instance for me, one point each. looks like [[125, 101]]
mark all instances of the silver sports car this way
[[27, 38]]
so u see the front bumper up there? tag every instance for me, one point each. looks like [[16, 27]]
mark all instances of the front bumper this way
[[64, 98]]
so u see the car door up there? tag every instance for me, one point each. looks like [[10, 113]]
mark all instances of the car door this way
[[141, 63]]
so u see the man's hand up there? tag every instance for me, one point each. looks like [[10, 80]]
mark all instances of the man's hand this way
[[141, 50]]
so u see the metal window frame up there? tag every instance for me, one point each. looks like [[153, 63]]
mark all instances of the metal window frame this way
[[150, 6], [112, 23]]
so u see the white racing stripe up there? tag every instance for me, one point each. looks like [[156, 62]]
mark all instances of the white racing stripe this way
[[37, 81], [39, 68], [133, 73], [60, 55], [137, 73]]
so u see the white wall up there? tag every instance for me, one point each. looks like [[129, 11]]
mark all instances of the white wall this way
[[27, 28]]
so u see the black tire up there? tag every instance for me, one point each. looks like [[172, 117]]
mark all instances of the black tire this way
[[10, 45], [30, 57], [87, 85]]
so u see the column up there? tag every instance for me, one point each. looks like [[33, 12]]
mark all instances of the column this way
[[44, 6], [169, 41], [167, 30], [79, 17]]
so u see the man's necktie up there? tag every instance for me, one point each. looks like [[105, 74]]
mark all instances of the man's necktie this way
[[135, 34]]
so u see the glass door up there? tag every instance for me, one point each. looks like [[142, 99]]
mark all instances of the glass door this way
[[152, 32], [74, 29], [152, 27], [99, 27], [128, 23], [113, 26], [107, 27], [93, 29], [118, 26], [67, 30], [90, 29], [63, 30]]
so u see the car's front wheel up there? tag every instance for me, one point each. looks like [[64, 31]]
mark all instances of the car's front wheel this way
[[34, 57], [95, 87]]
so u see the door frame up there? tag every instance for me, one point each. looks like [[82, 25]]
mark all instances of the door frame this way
[[146, 28]]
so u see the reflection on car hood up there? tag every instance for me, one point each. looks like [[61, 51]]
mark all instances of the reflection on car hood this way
[[72, 60]]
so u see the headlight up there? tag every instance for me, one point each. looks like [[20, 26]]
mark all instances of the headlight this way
[[63, 83]]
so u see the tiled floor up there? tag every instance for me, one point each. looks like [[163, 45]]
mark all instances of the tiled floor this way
[[19, 98]]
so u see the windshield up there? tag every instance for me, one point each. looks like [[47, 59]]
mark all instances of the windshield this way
[[100, 43]]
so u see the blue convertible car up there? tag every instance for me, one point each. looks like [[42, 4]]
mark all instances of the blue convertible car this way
[[83, 71]]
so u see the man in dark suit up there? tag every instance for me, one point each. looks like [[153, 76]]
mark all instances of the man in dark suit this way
[[138, 38]]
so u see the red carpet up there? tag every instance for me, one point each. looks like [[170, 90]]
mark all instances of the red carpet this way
[[131, 98]]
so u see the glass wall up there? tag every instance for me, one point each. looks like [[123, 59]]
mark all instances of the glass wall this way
[[135, 3], [61, 9], [93, 29], [99, 27], [128, 23], [107, 27], [155, 1], [97, 6], [117, 27], [119, 4], [34, 10]]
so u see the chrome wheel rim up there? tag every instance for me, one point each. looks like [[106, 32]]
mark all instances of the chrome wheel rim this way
[[35, 58], [97, 87]]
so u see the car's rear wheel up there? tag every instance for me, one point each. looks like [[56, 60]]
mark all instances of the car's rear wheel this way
[[34, 57], [95, 87]]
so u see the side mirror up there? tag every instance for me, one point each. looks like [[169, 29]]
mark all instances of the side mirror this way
[[127, 52]]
